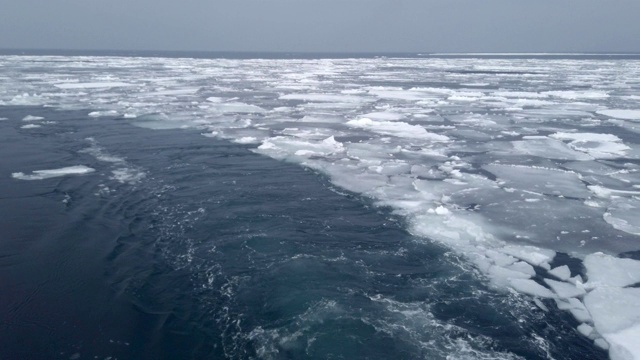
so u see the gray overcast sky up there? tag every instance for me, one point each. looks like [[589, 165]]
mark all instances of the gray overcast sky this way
[[324, 25]]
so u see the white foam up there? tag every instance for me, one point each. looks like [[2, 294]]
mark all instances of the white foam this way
[[30, 126], [127, 175], [46, 174], [531, 254]]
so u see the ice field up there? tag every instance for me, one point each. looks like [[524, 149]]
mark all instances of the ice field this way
[[505, 161]]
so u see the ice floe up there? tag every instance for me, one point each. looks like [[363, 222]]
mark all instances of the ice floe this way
[[32, 118], [396, 128], [46, 174], [624, 114]]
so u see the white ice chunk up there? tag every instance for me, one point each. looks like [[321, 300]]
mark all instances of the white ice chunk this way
[[352, 99], [103, 113], [601, 343], [530, 287], [561, 272], [549, 149], [624, 214], [585, 329], [606, 193], [565, 290], [396, 128], [32, 118], [539, 304], [384, 116], [616, 316], [541, 180], [246, 140], [569, 304], [600, 146], [624, 345], [621, 114], [45, 174], [500, 258], [607, 270], [531, 254], [574, 95], [92, 85], [236, 107], [522, 267]]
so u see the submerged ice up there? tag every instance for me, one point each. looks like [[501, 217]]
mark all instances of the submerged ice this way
[[505, 169]]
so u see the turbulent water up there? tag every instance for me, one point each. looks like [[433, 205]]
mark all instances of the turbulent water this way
[[376, 208]]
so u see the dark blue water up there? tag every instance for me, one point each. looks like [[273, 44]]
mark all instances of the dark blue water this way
[[218, 252]]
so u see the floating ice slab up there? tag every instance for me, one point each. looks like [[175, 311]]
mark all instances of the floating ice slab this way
[[621, 114], [565, 290], [600, 146], [548, 148], [531, 254], [606, 270], [396, 128], [236, 107], [103, 113], [46, 174], [616, 316], [541, 180], [92, 85], [32, 118], [384, 116], [530, 287]]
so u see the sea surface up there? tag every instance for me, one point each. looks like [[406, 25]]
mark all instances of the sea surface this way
[[256, 206]]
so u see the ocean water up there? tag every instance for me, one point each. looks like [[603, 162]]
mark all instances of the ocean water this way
[[356, 208]]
